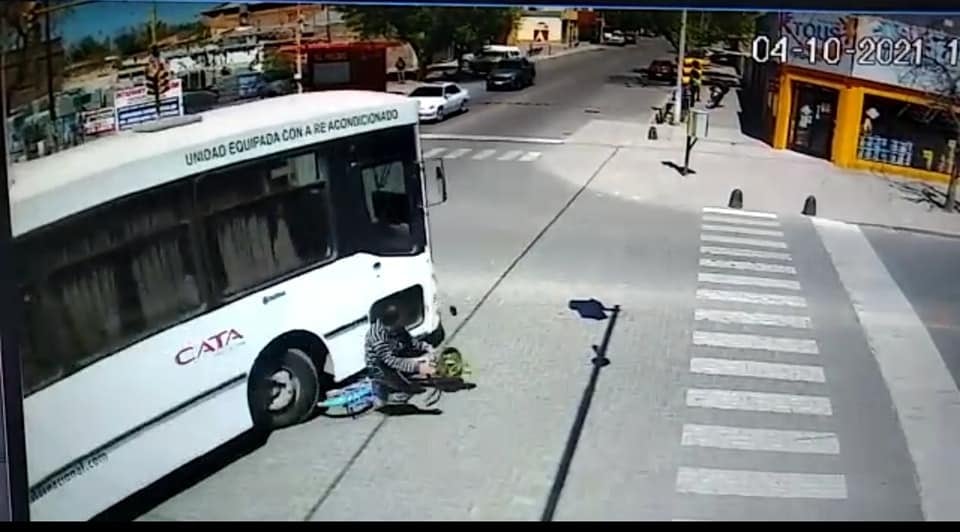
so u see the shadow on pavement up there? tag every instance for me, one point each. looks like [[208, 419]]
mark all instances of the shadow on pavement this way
[[408, 410], [677, 167], [183, 478], [923, 193]]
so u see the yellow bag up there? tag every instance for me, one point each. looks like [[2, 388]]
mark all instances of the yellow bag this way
[[450, 364]]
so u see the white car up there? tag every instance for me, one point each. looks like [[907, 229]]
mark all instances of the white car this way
[[439, 100], [615, 38]]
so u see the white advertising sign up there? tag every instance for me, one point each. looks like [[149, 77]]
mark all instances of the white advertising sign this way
[[806, 30], [897, 60], [99, 121], [135, 106], [540, 29]]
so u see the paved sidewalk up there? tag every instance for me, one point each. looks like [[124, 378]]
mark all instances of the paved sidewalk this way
[[771, 180]]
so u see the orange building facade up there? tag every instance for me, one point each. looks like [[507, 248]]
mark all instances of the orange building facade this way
[[859, 109]]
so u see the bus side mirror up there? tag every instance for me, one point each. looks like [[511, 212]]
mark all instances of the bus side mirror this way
[[440, 179]]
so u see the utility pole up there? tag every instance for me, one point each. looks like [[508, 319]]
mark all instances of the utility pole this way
[[48, 46], [326, 10], [678, 98], [298, 76], [153, 24]]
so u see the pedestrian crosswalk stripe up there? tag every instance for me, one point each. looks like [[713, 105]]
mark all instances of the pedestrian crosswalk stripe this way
[[761, 484], [742, 230], [747, 253], [748, 280], [510, 155], [748, 266], [777, 403], [740, 213], [480, 155], [751, 318], [754, 341], [706, 237], [734, 296], [746, 439], [455, 154], [757, 370], [483, 154], [740, 221]]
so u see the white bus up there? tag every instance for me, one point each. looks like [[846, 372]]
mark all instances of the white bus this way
[[191, 280]]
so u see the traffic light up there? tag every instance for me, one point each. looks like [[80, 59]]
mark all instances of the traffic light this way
[[30, 12], [158, 77], [692, 70]]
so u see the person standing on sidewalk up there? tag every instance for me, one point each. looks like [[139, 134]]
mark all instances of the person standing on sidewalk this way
[[695, 86], [401, 66]]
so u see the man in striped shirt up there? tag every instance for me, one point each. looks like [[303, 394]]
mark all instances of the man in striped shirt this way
[[393, 356]]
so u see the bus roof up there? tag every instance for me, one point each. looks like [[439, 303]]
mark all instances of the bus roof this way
[[47, 189]]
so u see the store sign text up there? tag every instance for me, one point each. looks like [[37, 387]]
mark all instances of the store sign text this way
[[289, 134], [214, 345]]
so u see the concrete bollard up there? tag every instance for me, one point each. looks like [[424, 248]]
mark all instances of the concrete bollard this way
[[652, 133], [736, 199], [810, 206]]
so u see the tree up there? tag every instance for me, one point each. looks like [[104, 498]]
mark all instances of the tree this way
[[431, 30], [935, 75], [137, 39], [21, 30], [89, 48], [704, 28], [25, 26], [132, 40]]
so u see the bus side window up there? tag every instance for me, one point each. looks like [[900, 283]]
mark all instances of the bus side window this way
[[102, 280], [266, 219]]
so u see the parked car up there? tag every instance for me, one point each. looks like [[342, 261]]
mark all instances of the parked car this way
[[512, 74], [630, 37], [614, 38], [439, 100], [662, 70]]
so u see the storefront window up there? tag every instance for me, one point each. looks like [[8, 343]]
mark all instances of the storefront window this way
[[905, 134]]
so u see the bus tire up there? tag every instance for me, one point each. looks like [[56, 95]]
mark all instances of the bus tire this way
[[284, 389]]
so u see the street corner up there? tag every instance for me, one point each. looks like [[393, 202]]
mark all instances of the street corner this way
[[647, 175], [626, 133]]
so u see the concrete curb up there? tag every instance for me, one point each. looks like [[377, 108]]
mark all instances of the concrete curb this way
[[899, 228], [572, 51], [486, 138]]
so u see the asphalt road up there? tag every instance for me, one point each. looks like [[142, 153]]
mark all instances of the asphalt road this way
[[749, 378], [925, 267], [569, 91]]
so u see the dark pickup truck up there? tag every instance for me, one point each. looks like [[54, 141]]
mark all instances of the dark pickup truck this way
[[512, 74], [663, 71]]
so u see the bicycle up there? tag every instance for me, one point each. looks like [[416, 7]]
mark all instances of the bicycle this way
[[360, 397]]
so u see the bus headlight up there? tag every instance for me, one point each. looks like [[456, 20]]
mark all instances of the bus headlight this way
[[409, 302]]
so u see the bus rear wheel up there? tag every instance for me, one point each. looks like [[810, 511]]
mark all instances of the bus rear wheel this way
[[284, 389]]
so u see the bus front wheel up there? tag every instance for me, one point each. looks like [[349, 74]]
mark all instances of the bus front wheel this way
[[284, 389]]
